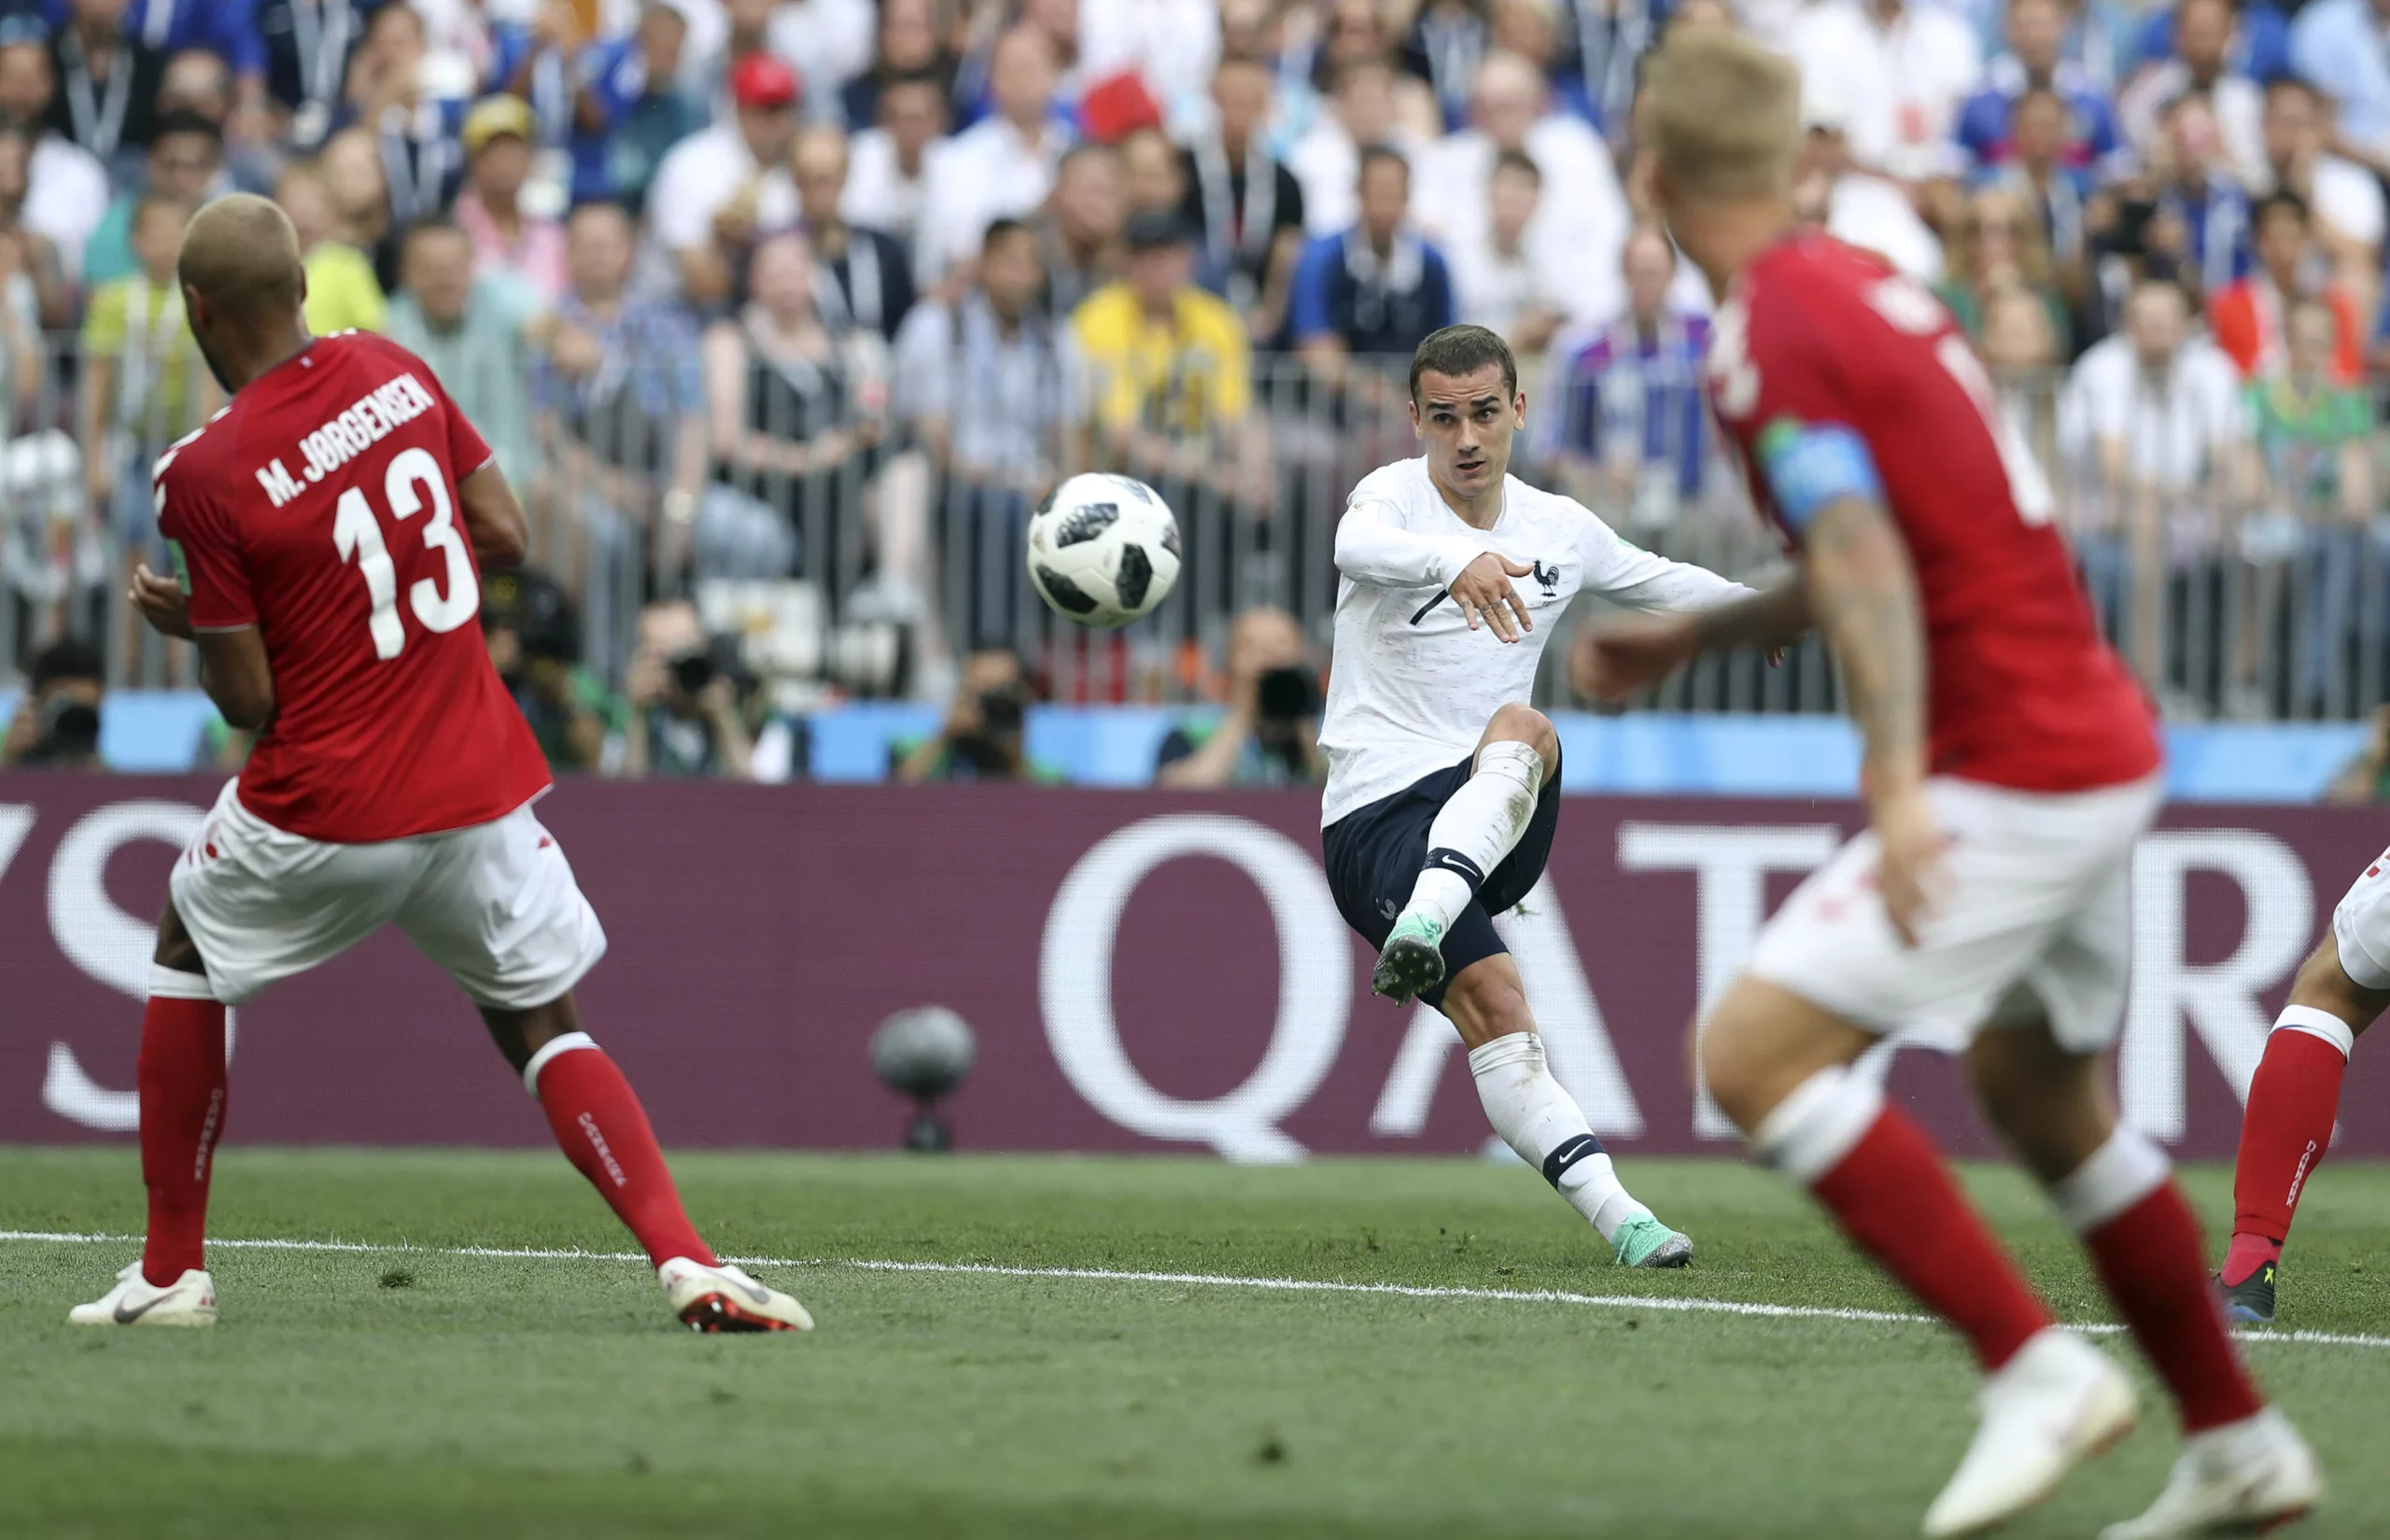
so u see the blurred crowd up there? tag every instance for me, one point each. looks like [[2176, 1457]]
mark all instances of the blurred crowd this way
[[834, 291]]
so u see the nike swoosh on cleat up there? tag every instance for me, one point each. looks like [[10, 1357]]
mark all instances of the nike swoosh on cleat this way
[[755, 1292], [126, 1318]]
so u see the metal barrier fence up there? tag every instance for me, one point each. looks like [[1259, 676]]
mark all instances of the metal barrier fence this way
[[858, 518]]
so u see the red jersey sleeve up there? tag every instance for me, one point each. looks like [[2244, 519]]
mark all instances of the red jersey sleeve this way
[[206, 546], [1784, 399]]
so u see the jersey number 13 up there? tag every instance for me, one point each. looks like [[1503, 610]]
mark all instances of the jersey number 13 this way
[[359, 536]]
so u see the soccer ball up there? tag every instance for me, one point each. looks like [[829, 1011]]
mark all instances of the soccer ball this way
[[924, 1052], [1102, 550]]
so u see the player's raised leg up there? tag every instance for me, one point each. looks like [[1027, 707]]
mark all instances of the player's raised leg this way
[[1779, 1066], [182, 1081], [1474, 830], [2293, 1101], [2242, 1463], [603, 1131], [1486, 1002]]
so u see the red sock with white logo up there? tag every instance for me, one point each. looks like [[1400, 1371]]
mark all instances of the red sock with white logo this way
[[2284, 1132], [182, 1085], [603, 1131], [1882, 1179], [2144, 1243]]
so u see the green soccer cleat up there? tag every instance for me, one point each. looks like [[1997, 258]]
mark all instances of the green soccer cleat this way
[[1646, 1243], [2251, 1301], [1411, 960]]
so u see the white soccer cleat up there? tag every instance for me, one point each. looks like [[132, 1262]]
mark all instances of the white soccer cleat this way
[[2058, 1400], [188, 1301], [725, 1299], [2244, 1477]]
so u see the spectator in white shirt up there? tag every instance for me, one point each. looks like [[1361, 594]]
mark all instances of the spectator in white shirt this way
[[1902, 71], [1001, 167], [1171, 44], [888, 181], [2203, 66], [1581, 220], [2155, 414], [1850, 204], [1327, 161], [66, 188], [1497, 282], [718, 189], [827, 42]]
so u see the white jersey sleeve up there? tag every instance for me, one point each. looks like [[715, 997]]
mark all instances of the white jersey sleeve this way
[[1374, 546], [1625, 574]]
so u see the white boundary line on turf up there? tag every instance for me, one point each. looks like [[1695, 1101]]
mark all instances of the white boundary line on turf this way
[[1106, 1275]]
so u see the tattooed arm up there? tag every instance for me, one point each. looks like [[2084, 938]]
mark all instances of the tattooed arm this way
[[1864, 594]]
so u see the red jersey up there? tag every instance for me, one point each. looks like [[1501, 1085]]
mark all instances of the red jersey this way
[[1820, 343], [321, 507]]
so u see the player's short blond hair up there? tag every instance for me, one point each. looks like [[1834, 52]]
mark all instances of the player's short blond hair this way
[[1724, 114], [240, 255]]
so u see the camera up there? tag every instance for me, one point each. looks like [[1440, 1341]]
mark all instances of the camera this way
[[692, 671], [1000, 712], [70, 733], [1287, 695]]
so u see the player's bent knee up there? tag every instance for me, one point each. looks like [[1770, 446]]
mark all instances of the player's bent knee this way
[[1515, 723], [2324, 984], [1761, 1041]]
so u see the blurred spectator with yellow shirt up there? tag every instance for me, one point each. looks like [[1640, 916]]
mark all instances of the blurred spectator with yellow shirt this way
[[343, 294], [1169, 370], [144, 384]]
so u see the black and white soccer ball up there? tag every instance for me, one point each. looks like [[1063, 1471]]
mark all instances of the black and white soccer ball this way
[[1102, 550], [922, 1052]]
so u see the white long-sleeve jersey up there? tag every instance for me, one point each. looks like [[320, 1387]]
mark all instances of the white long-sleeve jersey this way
[[1412, 687]]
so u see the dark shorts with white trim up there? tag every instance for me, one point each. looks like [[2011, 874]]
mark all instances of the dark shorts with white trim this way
[[1374, 854]]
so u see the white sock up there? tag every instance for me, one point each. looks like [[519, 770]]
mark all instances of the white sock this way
[[1479, 825], [1539, 1120]]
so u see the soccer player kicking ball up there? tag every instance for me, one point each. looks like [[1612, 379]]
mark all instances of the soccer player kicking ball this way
[[2296, 1094], [1443, 787], [2010, 764], [328, 527]]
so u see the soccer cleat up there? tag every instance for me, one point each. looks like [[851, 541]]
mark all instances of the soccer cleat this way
[[188, 1301], [1411, 960], [1645, 1242], [2245, 1478], [2058, 1400], [2251, 1301], [725, 1299]]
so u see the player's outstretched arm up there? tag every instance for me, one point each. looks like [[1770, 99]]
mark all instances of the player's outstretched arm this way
[[494, 519], [1620, 654], [1864, 594], [1373, 547], [1628, 575]]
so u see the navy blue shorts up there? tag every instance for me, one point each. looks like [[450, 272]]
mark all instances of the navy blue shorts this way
[[1374, 854]]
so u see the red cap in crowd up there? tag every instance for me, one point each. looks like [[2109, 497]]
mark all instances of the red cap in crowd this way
[[760, 80]]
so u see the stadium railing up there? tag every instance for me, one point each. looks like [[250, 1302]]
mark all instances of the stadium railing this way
[[2254, 591]]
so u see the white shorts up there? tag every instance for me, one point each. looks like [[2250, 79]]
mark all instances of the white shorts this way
[[2036, 921], [494, 905], [2361, 927]]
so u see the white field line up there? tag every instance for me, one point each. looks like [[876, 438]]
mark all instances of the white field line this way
[[1106, 1275]]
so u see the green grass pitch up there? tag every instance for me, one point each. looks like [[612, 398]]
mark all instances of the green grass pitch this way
[[416, 1392]]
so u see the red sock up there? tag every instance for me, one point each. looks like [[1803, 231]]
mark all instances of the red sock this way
[[182, 1085], [2154, 1265], [604, 1133], [1892, 1195], [2284, 1135]]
